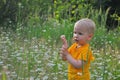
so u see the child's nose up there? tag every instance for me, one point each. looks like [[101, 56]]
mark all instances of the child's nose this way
[[75, 35]]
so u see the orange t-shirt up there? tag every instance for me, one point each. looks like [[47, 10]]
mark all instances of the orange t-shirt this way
[[81, 53]]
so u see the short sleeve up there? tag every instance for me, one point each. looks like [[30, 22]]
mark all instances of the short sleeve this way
[[71, 48], [86, 54]]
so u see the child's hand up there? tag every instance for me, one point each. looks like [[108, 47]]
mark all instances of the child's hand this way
[[62, 56], [64, 46]]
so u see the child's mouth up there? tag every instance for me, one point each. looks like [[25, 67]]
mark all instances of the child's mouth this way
[[76, 40]]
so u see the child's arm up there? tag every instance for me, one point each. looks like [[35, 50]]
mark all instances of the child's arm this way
[[65, 46], [68, 57], [74, 62]]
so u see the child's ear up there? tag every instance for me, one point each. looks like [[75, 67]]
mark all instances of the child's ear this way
[[90, 36]]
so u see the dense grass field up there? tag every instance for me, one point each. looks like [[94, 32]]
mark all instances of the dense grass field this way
[[31, 53], [30, 50]]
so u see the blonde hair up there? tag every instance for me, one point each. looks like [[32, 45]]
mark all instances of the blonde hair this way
[[88, 23]]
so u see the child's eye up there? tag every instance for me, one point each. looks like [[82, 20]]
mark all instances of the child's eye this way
[[80, 33]]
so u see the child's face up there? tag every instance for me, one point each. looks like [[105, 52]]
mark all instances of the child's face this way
[[81, 35]]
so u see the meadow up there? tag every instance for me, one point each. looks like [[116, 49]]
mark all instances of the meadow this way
[[32, 51]]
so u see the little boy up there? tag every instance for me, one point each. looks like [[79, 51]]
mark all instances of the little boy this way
[[79, 55]]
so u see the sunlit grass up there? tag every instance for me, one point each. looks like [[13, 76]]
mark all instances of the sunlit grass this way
[[32, 51], [36, 59]]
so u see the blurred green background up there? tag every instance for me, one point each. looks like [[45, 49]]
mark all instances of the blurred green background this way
[[30, 37]]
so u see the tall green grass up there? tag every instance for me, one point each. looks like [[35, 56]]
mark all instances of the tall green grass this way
[[32, 52]]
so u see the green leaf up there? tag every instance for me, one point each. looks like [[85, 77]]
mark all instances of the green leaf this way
[[4, 1]]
